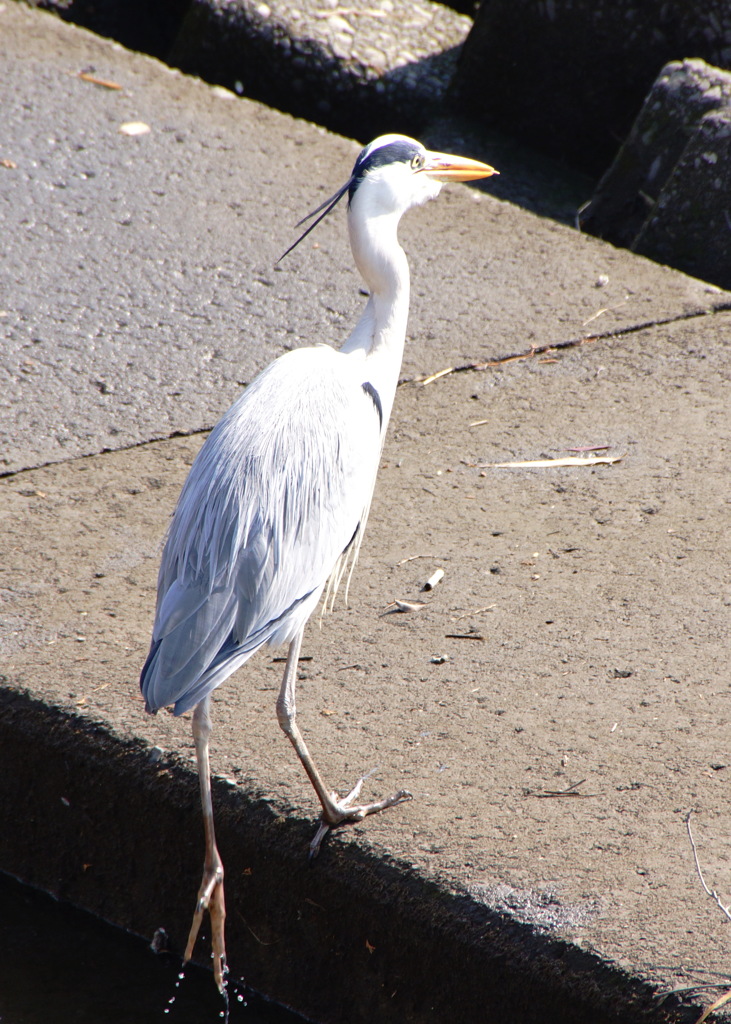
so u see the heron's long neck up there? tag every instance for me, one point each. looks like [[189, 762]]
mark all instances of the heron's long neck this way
[[381, 330]]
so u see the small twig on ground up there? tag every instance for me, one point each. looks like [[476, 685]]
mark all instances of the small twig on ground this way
[[584, 339], [594, 460], [606, 309], [475, 611], [721, 1001], [436, 376], [411, 559], [725, 910], [572, 790], [103, 82], [403, 606], [533, 351], [709, 892]]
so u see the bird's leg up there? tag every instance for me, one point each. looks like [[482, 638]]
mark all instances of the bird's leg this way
[[334, 810], [210, 894]]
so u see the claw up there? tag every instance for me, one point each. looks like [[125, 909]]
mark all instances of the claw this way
[[341, 812], [322, 830], [355, 791]]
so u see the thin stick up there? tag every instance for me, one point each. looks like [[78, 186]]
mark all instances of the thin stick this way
[[572, 790], [403, 606], [594, 460], [709, 892], [477, 611], [105, 83], [436, 376], [606, 309], [725, 998]]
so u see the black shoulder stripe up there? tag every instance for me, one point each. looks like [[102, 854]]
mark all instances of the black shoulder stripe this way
[[370, 390], [350, 543]]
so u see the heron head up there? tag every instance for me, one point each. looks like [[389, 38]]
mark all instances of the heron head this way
[[394, 173]]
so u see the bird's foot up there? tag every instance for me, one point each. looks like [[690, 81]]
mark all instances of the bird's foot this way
[[337, 811], [211, 899]]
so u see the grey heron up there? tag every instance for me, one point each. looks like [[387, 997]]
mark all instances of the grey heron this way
[[273, 511]]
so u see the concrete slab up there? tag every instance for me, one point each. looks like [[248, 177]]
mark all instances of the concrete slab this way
[[138, 279], [578, 643]]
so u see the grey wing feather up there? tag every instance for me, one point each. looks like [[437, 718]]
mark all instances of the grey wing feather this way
[[274, 497]]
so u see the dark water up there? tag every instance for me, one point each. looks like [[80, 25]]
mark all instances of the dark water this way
[[59, 965]]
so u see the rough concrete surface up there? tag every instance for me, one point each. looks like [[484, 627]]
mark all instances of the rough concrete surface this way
[[559, 703]]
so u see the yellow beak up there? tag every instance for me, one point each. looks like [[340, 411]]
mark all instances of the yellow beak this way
[[444, 167]]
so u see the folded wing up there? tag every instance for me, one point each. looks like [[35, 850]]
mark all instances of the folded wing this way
[[278, 492]]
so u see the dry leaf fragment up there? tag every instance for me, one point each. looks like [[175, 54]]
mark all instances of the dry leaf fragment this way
[[404, 606], [105, 83], [134, 128], [594, 460], [10, 165], [436, 376], [605, 309], [475, 611], [571, 790], [725, 998], [411, 559]]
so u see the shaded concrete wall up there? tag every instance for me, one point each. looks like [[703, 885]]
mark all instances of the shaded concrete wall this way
[[423, 954], [569, 76]]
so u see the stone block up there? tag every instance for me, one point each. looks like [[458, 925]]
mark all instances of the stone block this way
[[569, 76], [370, 67], [682, 94], [690, 224]]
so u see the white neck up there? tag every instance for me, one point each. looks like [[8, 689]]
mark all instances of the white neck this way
[[380, 333]]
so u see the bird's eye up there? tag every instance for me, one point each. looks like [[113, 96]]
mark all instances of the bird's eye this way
[[417, 162]]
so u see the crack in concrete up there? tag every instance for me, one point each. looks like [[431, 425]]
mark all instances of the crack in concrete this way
[[538, 350], [531, 353]]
